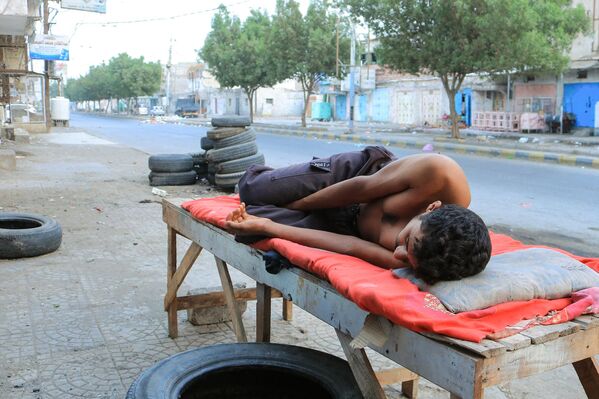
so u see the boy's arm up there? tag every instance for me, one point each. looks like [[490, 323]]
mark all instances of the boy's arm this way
[[333, 242]]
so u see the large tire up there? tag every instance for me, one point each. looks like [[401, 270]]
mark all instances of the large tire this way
[[232, 152], [166, 163], [206, 143], [187, 178], [243, 137], [224, 132], [240, 164], [249, 370], [231, 121], [24, 235], [227, 180]]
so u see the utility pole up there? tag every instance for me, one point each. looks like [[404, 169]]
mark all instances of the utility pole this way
[[47, 68], [337, 50], [168, 77], [352, 87]]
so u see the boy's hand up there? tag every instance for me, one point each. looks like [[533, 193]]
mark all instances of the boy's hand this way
[[241, 223]]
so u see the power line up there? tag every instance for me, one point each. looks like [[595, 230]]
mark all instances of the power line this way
[[134, 21]]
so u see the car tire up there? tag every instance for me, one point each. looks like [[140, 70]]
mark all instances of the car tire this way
[[232, 152], [224, 132], [206, 143], [186, 178], [243, 137], [167, 163], [240, 164], [24, 235], [251, 370], [231, 121], [227, 180]]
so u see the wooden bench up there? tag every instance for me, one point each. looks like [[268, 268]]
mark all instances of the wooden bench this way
[[463, 368]]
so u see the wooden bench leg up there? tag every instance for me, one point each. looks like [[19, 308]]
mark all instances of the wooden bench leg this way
[[171, 268], [588, 373], [263, 296], [287, 310], [362, 369], [227, 285], [410, 388]]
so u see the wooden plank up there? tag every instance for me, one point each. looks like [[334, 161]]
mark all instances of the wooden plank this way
[[542, 334], [538, 358], [227, 285], [287, 309], [262, 313], [515, 342], [410, 388], [217, 298], [171, 268], [486, 348], [588, 373], [362, 369], [374, 333], [177, 279], [394, 376], [587, 322]]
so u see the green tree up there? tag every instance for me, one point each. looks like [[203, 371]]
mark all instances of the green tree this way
[[452, 39], [238, 55], [305, 47]]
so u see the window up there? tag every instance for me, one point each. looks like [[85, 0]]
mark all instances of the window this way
[[582, 74], [530, 78], [269, 101]]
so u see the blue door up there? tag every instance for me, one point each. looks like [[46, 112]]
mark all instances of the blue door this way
[[380, 105], [463, 106], [362, 103], [580, 99], [340, 108]]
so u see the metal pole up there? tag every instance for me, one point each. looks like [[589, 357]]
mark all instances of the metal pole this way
[[47, 71], [352, 78], [168, 78], [509, 81]]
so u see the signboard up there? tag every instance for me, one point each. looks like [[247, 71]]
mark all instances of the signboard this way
[[50, 48], [85, 5]]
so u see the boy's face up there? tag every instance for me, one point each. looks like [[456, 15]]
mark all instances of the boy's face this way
[[407, 237]]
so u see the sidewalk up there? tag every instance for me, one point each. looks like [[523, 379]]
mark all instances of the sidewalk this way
[[84, 321]]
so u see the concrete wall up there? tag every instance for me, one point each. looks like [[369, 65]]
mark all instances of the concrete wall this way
[[284, 99], [587, 45]]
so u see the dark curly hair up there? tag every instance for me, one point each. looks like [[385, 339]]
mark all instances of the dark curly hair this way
[[455, 244]]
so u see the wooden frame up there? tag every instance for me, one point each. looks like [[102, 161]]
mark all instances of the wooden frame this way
[[463, 368]]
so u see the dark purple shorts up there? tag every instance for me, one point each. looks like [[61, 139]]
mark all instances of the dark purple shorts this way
[[265, 190]]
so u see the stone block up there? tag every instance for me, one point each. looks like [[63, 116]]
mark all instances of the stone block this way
[[7, 132], [215, 314], [22, 136], [8, 160]]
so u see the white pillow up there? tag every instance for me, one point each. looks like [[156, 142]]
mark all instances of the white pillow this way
[[514, 276]]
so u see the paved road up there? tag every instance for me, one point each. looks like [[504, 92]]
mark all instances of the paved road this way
[[538, 203]]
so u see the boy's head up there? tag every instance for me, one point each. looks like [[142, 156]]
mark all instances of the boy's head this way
[[448, 242]]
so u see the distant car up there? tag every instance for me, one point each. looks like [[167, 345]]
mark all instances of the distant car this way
[[157, 110], [142, 110], [187, 108]]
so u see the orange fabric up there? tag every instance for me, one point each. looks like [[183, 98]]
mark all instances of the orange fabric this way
[[377, 291]]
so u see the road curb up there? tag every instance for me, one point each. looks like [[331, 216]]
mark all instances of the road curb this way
[[496, 152]]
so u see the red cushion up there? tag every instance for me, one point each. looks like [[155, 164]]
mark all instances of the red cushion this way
[[377, 291]]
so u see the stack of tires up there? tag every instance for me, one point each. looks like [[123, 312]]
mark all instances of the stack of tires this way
[[171, 170], [230, 149]]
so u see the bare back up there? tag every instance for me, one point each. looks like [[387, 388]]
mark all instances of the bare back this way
[[406, 187]]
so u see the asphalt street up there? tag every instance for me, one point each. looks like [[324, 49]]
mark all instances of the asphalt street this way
[[535, 202]]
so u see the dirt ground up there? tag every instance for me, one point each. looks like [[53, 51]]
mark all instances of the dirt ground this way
[[84, 321]]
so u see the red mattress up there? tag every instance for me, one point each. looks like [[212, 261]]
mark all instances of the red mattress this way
[[377, 291]]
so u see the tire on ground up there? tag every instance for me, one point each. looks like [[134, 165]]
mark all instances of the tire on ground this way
[[165, 163], [240, 164], [322, 374], [232, 152], [227, 180], [206, 143], [173, 179], [231, 121], [243, 137], [24, 235], [223, 132]]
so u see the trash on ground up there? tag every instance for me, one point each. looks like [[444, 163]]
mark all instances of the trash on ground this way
[[159, 192]]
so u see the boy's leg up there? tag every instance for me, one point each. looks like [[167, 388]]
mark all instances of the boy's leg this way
[[262, 185]]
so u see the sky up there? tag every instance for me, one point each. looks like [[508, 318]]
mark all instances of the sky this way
[[95, 38]]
